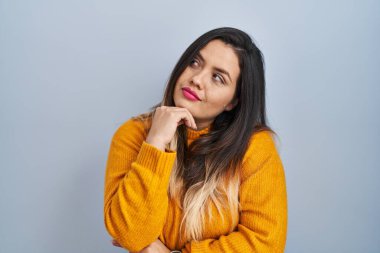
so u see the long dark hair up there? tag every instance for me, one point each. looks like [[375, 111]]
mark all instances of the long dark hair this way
[[217, 155]]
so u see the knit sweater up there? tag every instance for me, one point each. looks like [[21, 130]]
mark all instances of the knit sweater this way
[[137, 210]]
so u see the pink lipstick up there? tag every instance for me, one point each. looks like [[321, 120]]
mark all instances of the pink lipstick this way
[[189, 94]]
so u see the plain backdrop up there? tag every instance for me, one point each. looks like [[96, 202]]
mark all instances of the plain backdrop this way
[[72, 71]]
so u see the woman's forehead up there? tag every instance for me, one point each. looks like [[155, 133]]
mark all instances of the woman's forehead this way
[[220, 55]]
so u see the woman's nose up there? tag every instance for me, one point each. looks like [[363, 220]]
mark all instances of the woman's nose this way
[[198, 79]]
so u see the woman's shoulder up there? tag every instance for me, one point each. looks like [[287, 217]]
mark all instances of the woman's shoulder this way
[[135, 127], [262, 147], [264, 140]]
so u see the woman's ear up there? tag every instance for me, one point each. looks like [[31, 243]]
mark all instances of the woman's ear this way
[[231, 105]]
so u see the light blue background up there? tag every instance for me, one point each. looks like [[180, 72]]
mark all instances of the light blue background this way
[[72, 71]]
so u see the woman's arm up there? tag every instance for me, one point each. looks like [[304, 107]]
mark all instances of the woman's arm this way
[[263, 219], [136, 182]]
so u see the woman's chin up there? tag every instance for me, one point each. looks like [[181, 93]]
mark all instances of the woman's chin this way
[[189, 107], [183, 105]]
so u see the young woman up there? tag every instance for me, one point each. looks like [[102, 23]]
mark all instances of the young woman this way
[[200, 172]]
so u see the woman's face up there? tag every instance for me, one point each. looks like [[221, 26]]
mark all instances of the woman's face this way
[[212, 76]]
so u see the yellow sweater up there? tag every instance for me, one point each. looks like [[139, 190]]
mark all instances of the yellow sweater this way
[[137, 209]]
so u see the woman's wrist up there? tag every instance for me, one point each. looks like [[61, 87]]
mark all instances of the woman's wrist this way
[[154, 142]]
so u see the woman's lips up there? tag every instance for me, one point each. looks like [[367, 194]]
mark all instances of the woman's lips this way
[[189, 94]]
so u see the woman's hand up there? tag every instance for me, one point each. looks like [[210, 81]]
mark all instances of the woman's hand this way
[[165, 122], [155, 247]]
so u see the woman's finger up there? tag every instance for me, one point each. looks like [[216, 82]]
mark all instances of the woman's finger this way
[[189, 120], [187, 116]]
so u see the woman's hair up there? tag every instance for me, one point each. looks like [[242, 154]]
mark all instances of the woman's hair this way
[[208, 170]]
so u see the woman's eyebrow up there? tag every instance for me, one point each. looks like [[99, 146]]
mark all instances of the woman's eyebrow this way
[[216, 68]]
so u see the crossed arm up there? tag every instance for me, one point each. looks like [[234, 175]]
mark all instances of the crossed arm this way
[[136, 198]]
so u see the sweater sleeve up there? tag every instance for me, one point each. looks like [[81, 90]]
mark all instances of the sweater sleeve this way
[[263, 216], [135, 192]]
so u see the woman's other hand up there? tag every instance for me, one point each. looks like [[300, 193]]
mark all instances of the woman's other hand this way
[[155, 247], [165, 121]]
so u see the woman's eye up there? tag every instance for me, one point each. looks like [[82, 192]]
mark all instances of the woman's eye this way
[[194, 63], [219, 78]]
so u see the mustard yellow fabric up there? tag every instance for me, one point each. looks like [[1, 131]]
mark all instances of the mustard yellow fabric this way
[[137, 209]]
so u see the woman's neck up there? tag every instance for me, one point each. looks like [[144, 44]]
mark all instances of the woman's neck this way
[[202, 124]]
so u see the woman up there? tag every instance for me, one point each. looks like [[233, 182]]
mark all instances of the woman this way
[[200, 172]]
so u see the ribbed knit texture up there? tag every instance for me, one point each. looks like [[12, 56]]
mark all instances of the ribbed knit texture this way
[[137, 210]]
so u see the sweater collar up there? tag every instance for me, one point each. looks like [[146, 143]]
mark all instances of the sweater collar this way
[[194, 134]]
